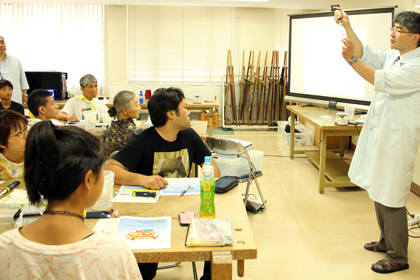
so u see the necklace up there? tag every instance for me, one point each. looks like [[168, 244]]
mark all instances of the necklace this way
[[64, 213]]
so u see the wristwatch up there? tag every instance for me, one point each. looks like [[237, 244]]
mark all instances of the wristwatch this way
[[353, 59]]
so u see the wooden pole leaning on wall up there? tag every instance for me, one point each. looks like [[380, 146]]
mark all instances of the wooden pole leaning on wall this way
[[277, 108], [242, 86], [230, 92], [275, 88], [227, 88], [247, 86], [233, 96], [269, 109], [261, 110], [255, 92], [284, 87]]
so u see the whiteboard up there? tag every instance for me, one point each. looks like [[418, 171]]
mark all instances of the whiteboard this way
[[316, 66]]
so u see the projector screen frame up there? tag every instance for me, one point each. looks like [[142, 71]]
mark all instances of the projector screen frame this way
[[330, 14]]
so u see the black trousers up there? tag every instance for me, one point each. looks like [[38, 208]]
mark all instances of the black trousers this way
[[148, 270]]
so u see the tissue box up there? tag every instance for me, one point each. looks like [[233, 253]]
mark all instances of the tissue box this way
[[238, 166]]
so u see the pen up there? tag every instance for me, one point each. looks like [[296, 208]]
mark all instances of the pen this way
[[28, 215], [185, 190], [144, 194], [99, 214], [10, 187]]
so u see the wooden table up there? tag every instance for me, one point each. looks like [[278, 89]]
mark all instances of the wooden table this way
[[205, 105], [330, 165], [228, 206]]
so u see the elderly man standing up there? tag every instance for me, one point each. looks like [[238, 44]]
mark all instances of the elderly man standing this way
[[11, 69], [75, 106]]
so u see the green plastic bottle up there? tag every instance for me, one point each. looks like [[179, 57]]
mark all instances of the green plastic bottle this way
[[207, 188]]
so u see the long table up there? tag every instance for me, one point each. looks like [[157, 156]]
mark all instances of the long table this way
[[204, 105], [228, 206], [330, 165]]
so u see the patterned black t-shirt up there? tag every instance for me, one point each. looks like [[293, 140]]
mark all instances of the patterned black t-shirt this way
[[149, 154]]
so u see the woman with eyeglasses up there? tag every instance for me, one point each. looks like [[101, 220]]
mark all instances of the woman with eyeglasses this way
[[13, 131]]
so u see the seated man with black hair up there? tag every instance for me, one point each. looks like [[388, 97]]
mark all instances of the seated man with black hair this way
[[169, 147], [42, 105]]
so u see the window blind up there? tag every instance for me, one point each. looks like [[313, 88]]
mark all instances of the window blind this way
[[60, 37], [180, 44]]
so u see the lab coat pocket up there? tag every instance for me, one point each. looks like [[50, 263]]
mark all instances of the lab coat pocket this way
[[390, 133]]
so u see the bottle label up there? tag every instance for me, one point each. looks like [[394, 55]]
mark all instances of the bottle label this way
[[207, 187]]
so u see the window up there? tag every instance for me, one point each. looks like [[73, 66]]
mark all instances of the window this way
[[180, 44], [66, 38]]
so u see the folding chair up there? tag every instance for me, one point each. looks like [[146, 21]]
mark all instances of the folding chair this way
[[232, 147]]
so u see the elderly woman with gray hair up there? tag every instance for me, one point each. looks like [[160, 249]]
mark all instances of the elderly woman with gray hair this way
[[125, 108]]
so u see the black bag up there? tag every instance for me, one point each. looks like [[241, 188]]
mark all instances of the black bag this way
[[226, 183]]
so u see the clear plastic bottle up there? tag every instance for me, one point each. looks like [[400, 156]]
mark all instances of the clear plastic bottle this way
[[207, 188], [141, 97]]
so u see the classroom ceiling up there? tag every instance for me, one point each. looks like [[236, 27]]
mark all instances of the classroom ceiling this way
[[279, 4]]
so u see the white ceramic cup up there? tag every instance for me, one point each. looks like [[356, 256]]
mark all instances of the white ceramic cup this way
[[105, 200], [349, 109]]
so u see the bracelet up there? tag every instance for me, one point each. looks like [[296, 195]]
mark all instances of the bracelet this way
[[24, 94]]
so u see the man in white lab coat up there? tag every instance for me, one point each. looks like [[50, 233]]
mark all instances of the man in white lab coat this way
[[383, 162]]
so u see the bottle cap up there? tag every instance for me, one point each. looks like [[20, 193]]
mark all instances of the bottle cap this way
[[207, 159]]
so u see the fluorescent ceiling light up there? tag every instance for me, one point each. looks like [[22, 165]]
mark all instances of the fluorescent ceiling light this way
[[416, 3]]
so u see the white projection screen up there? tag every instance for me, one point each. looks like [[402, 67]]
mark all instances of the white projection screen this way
[[316, 67]]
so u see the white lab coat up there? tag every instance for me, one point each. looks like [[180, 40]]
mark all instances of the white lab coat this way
[[383, 162]]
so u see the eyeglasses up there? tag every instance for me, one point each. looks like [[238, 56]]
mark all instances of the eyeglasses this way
[[21, 133], [393, 29]]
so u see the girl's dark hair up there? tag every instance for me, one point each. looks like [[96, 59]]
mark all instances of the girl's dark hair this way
[[162, 101], [10, 120], [57, 160]]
